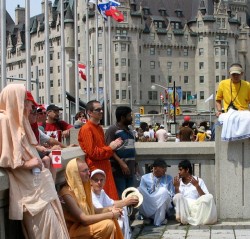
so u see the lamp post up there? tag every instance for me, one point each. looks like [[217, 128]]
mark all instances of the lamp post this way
[[165, 88], [174, 103], [70, 64]]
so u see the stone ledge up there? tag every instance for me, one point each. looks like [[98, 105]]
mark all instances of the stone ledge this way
[[175, 148], [67, 154]]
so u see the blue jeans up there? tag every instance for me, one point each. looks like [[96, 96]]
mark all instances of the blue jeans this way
[[122, 183]]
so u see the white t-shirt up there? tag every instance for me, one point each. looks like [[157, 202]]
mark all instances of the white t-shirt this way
[[102, 200]]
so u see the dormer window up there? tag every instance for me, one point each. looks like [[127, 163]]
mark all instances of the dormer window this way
[[175, 25], [159, 24], [146, 11], [163, 12], [178, 12]]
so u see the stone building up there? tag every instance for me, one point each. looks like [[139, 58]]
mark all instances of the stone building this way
[[162, 42]]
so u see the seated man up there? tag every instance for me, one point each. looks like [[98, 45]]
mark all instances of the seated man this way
[[193, 203], [101, 200], [82, 218], [157, 190]]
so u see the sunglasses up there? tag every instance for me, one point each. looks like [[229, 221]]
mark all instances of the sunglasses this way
[[98, 109]]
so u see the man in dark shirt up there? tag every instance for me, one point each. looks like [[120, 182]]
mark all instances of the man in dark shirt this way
[[186, 133], [123, 160]]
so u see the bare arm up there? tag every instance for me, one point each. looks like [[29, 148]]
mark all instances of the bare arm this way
[[122, 164], [218, 107], [126, 202], [84, 219], [53, 142]]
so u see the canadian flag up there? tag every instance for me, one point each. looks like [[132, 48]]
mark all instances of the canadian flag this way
[[81, 70]]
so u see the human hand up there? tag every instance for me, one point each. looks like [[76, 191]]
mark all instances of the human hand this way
[[132, 200], [33, 163], [41, 148], [46, 161], [116, 143], [65, 133], [176, 182], [116, 212], [124, 168], [193, 181], [218, 113], [56, 147]]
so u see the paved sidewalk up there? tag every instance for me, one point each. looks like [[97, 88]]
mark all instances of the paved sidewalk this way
[[173, 230]]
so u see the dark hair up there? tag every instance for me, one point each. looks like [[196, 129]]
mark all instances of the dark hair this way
[[78, 115], [185, 123], [143, 126], [122, 111], [90, 105], [236, 64], [185, 164]]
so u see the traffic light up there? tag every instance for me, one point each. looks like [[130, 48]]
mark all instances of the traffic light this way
[[142, 110]]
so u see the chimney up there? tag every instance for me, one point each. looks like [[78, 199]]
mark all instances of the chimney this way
[[43, 6], [19, 14]]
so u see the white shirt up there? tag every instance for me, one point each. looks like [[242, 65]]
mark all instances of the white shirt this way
[[161, 135], [190, 191]]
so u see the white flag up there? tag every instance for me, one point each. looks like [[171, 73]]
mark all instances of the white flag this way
[[209, 98]]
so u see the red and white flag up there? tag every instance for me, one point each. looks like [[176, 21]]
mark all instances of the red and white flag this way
[[82, 71], [56, 158]]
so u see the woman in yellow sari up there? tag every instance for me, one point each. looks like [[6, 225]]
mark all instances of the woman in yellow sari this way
[[82, 219]]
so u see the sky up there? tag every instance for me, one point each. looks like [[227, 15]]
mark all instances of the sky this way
[[35, 7]]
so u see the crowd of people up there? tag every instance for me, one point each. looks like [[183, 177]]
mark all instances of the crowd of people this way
[[90, 204]]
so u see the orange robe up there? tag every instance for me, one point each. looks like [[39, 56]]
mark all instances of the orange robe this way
[[91, 140], [81, 193]]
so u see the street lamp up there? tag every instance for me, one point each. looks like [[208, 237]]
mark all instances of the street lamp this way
[[70, 64], [153, 87]]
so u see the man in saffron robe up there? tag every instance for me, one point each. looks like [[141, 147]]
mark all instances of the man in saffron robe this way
[[91, 140]]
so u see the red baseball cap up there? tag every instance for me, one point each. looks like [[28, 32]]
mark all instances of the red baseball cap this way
[[30, 98]]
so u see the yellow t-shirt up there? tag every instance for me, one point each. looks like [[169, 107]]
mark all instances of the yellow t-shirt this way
[[240, 94], [201, 136]]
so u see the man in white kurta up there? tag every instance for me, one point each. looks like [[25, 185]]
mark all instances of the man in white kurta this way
[[193, 203], [157, 190]]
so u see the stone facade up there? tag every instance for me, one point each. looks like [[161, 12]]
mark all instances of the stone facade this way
[[191, 43]]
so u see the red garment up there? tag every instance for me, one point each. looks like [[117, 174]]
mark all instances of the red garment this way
[[91, 140], [55, 130], [34, 127]]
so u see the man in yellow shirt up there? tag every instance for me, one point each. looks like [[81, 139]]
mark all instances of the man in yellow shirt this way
[[234, 92]]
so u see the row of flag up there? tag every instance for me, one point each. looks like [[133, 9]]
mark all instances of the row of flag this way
[[108, 8]]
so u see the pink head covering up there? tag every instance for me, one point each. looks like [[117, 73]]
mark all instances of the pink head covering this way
[[17, 139]]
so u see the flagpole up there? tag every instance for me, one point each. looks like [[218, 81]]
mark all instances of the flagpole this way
[[104, 75], [76, 58], [87, 51], [109, 66], [3, 44], [96, 54], [27, 44], [63, 90], [47, 56]]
